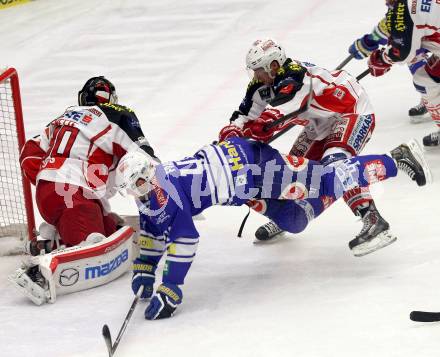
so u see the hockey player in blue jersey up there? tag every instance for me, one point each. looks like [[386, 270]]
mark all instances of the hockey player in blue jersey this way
[[290, 190]]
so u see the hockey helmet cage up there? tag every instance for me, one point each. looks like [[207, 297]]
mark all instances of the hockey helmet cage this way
[[97, 90], [263, 53], [134, 174]]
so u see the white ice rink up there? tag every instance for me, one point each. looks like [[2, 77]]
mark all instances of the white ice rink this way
[[180, 65]]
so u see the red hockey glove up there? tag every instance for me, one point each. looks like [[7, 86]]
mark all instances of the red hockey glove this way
[[230, 131], [377, 65], [256, 128]]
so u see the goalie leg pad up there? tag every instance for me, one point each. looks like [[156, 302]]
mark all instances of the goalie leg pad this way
[[95, 262]]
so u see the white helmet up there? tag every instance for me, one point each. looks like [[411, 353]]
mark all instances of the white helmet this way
[[134, 173], [263, 53]]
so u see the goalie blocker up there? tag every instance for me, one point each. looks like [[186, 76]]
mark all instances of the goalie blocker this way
[[94, 262]]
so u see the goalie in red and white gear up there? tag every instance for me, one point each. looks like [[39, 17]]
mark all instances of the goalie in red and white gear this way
[[337, 124], [71, 164]]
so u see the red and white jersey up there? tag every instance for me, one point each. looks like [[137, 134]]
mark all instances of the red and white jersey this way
[[83, 145], [334, 93], [412, 24]]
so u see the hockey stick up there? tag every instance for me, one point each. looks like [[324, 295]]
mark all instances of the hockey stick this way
[[424, 316], [106, 331], [344, 62], [363, 74]]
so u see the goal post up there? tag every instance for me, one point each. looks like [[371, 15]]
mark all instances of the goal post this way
[[16, 208]]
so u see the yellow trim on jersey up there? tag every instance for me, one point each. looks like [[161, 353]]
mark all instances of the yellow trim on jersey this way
[[9, 3]]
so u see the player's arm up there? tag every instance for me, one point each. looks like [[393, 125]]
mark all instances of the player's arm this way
[[403, 42], [363, 46], [32, 155], [256, 98], [171, 233]]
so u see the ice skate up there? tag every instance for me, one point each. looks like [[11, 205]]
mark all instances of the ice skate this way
[[410, 159], [432, 140], [419, 114], [31, 283], [267, 232], [375, 234]]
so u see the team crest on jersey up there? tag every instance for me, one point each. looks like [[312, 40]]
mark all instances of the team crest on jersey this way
[[339, 93], [259, 206], [327, 201], [375, 171], [294, 191], [295, 163]]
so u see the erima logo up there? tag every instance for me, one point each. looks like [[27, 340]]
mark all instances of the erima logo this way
[[107, 268]]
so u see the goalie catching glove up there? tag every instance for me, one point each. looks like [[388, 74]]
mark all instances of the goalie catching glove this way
[[164, 303], [255, 129]]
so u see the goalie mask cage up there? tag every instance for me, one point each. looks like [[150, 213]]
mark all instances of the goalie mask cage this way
[[16, 209]]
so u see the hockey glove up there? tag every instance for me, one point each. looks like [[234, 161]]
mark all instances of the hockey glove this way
[[257, 129], [143, 275], [164, 303], [230, 131], [378, 67], [362, 47]]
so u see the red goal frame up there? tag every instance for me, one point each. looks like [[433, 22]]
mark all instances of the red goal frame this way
[[12, 75]]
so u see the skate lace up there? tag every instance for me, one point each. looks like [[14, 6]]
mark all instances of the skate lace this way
[[434, 136], [406, 168], [272, 228], [368, 223]]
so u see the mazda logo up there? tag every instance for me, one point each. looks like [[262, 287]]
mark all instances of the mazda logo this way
[[69, 277]]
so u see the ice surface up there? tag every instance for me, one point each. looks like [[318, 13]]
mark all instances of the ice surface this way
[[180, 66]]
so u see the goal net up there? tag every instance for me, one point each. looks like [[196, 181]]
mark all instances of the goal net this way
[[16, 210]]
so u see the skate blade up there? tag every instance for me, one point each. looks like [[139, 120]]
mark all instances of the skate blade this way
[[417, 151], [417, 119], [380, 241]]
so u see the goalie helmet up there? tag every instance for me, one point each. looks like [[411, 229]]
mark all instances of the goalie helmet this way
[[134, 174], [97, 90], [263, 53]]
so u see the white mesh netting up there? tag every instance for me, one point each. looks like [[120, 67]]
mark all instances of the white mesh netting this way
[[13, 219]]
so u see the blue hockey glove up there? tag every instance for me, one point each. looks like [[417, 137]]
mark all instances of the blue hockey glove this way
[[143, 275], [164, 303], [362, 47]]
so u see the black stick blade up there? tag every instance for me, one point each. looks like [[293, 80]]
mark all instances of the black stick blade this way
[[108, 339], [424, 316]]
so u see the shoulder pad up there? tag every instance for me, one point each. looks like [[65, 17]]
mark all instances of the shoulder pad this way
[[291, 69], [253, 86]]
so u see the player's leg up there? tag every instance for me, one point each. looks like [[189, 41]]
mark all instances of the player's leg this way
[[286, 177], [74, 215], [426, 80], [348, 136], [96, 261], [418, 113], [304, 146]]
